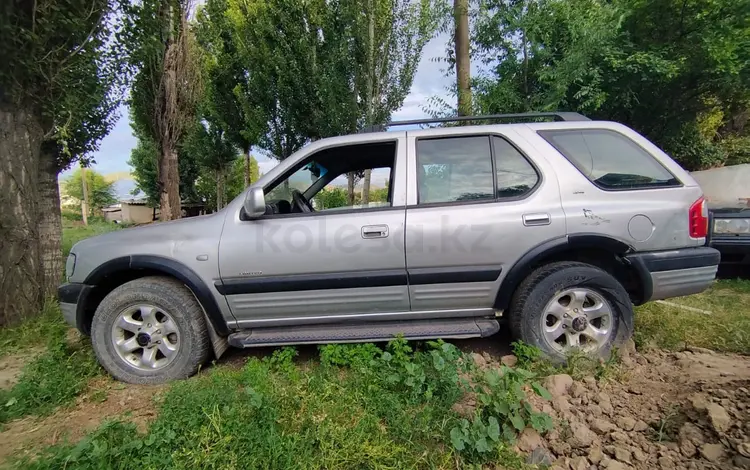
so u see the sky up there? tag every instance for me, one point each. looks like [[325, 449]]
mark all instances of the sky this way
[[430, 80]]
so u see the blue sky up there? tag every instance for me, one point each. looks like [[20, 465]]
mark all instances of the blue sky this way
[[430, 80]]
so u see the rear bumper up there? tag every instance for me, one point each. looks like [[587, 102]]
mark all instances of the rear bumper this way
[[675, 273]]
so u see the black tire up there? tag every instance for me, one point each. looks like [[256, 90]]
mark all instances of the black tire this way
[[527, 309], [169, 295]]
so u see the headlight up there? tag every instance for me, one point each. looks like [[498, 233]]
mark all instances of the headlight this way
[[70, 265], [732, 226]]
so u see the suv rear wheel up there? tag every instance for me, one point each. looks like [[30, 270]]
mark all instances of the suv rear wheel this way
[[567, 305], [150, 330]]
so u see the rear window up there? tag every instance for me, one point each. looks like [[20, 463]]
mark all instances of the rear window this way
[[609, 159]]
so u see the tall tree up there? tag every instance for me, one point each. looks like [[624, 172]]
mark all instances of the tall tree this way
[[167, 85], [388, 39], [57, 101], [144, 160], [463, 65], [214, 152], [226, 76]]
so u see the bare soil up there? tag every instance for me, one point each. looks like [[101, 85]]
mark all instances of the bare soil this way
[[105, 400], [684, 410]]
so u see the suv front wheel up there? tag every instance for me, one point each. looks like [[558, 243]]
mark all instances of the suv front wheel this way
[[150, 330], [566, 305]]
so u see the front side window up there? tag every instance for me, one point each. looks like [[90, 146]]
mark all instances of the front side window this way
[[454, 169], [322, 183], [609, 159]]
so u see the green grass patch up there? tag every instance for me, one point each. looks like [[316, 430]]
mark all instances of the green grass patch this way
[[34, 332], [725, 329], [52, 379], [73, 232], [359, 407]]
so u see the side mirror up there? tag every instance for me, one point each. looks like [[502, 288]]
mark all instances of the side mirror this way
[[255, 203]]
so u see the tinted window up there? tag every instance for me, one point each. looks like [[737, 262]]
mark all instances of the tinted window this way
[[454, 169], [609, 159], [515, 175]]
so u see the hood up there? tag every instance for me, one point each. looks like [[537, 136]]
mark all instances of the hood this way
[[140, 239]]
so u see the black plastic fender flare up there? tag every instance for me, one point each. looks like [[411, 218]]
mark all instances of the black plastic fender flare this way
[[523, 266], [172, 268]]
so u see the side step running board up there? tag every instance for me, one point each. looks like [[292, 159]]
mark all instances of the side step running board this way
[[363, 332]]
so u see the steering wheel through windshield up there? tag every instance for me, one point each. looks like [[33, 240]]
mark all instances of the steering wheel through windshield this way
[[300, 202]]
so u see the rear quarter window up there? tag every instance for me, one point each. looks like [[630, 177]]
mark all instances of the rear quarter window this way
[[609, 159]]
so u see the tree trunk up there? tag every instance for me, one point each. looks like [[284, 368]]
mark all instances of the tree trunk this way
[[461, 39], [247, 168], [85, 200], [366, 187], [50, 226], [350, 188], [370, 94], [169, 184], [20, 145], [219, 189]]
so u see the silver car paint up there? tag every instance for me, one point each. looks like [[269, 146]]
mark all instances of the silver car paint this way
[[476, 234], [574, 205]]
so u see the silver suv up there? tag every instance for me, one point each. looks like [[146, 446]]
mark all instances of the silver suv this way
[[555, 229]]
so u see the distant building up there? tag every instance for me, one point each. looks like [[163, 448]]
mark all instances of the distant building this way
[[132, 211], [137, 211]]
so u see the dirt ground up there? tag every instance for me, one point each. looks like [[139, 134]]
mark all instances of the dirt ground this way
[[660, 410], [684, 410], [105, 400]]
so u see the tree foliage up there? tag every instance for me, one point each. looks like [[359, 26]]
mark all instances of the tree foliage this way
[[167, 87], [234, 184], [101, 193], [144, 161], [676, 71], [60, 60]]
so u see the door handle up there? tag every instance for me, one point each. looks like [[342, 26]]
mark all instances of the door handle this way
[[536, 219], [374, 231]]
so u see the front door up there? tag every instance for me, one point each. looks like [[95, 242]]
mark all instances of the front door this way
[[337, 262]]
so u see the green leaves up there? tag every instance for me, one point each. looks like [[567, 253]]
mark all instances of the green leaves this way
[[662, 68], [503, 410]]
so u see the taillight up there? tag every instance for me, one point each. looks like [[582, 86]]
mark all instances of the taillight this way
[[698, 218]]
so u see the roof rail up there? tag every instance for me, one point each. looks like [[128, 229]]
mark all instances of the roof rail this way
[[559, 116]]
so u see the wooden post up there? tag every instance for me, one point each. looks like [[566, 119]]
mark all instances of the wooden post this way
[[85, 201]]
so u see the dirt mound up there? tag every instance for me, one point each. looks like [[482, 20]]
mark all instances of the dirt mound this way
[[686, 410]]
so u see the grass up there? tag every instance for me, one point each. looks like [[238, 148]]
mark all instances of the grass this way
[[725, 329], [73, 231], [34, 332], [358, 406], [52, 379], [366, 409]]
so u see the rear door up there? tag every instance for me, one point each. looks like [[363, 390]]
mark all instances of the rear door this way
[[476, 203]]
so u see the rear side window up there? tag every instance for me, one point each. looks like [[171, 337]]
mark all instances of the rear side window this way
[[515, 175], [454, 169], [609, 159]]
